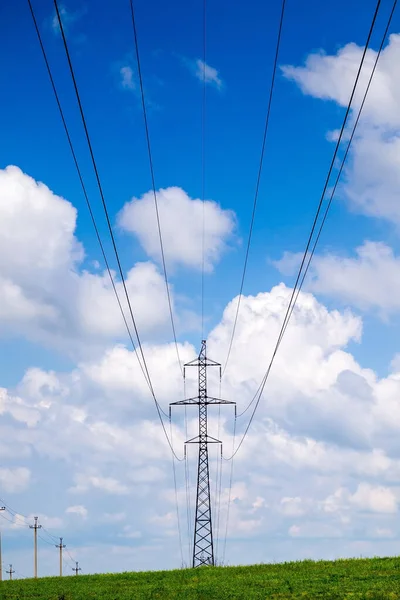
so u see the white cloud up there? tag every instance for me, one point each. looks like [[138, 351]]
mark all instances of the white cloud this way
[[332, 77], [181, 221], [298, 454], [130, 533], [374, 498], [292, 507], [79, 510], [369, 280], [373, 174], [68, 18], [204, 72], [47, 296], [115, 517], [14, 480], [105, 484], [127, 78]]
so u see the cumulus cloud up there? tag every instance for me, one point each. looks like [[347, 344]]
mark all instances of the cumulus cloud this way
[[68, 18], [301, 464], [46, 294], [79, 510], [369, 280], [331, 77], [181, 220], [106, 484], [127, 78], [14, 479], [204, 72], [374, 498], [372, 176], [91, 439]]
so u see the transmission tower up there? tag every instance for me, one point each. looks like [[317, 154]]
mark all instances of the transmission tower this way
[[203, 548]]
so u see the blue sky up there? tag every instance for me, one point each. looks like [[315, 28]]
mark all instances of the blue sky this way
[[306, 106], [241, 44]]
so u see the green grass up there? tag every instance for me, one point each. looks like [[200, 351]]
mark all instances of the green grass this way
[[356, 579]]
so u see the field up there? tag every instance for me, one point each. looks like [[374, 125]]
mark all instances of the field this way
[[356, 579]]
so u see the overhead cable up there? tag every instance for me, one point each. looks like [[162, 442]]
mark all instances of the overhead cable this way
[[153, 182], [260, 167], [293, 297]]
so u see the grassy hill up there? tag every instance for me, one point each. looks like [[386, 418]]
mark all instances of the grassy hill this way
[[356, 579]]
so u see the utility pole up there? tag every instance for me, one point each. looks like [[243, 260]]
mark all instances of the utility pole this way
[[1, 558], [10, 572], [203, 547], [60, 546], [76, 568], [35, 527]]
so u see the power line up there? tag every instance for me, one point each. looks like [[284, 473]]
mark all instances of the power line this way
[[203, 164], [176, 498], [54, 538], [310, 256], [82, 182], [99, 185], [230, 492], [187, 478], [271, 92], [25, 521], [146, 126], [147, 374], [289, 309], [218, 474]]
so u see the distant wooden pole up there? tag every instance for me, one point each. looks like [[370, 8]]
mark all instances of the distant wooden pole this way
[[35, 527], [11, 572], [1, 557], [60, 546]]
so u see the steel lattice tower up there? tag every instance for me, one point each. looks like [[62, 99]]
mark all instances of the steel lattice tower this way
[[203, 548]]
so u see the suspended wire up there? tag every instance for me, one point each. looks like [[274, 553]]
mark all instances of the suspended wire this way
[[26, 521], [3, 516], [153, 182], [188, 505], [260, 167], [51, 536], [218, 469], [229, 493], [147, 377], [11, 510], [292, 301], [83, 185], [311, 254], [187, 480], [66, 565], [218, 452], [219, 502], [203, 165], [73, 560], [176, 497], [45, 541], [99, 185], [251, 402]]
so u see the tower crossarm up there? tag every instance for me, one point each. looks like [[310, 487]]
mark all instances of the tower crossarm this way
[[204, 439], [197, 400]]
